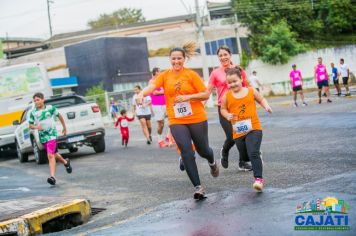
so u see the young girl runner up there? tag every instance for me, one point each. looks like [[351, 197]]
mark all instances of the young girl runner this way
[[238, 106], [184, 91], [123, 121]]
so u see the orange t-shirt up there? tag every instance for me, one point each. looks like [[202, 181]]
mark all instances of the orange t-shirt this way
[[185, 82], [245, 113]]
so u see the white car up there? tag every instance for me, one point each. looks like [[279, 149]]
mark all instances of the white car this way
[[83, 122]]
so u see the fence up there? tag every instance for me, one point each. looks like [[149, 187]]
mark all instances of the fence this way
[[123, 100]]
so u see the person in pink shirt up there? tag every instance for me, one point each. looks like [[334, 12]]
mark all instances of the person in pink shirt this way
[[158, 102], [218, 80], [296, 81], [322, 79]]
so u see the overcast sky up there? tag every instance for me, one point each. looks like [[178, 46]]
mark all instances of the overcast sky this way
[[28, 18]]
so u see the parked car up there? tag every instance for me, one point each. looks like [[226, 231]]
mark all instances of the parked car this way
[[84, 127]]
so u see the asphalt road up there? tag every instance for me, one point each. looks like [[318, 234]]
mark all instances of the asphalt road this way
[[308, 152]]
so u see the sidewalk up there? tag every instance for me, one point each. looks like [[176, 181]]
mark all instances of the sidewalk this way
[[37, 215]]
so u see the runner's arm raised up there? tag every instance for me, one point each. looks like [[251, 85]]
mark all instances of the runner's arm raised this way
[[262, 101]]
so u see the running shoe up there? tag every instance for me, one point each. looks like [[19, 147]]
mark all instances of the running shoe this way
[[214, 169], [51, 180], [162, 144], [305, 104], [295, 104], [68, 166], [325, 95], [224, 158], [258, 184], [245, 166], [319, 100], [199, 192], [348, 94], [148, 142], [181, 164], [329, 101]]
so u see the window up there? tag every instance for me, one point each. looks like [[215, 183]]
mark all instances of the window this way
[[65, 101]]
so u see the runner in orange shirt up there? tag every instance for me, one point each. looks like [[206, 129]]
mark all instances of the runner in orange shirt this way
[[218, 80], [185, 91], [239, 107]]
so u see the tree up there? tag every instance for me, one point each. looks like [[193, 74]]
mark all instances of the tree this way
[[122, 16], [280, 44], [97, 94], [260, 15], [339, 15]]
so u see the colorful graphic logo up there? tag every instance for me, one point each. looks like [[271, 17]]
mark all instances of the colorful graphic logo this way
[[327, 214]]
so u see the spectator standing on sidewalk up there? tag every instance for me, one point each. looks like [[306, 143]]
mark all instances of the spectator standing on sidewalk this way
[[335, 75], [296, 81], [254, 82], [345, 75], [322, 79]]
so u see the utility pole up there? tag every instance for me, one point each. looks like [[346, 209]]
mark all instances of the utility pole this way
[[49, 18], [201, 39], [239, 48]]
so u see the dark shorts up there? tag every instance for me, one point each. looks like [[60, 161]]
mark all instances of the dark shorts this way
[[146, 117], [336, 81], [323, 83], [297, 88], [345, 80]]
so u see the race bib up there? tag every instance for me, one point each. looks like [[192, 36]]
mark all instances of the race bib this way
[[296, 76], [297, 83], [242, 127], [333, 75], [182, 109], [124, 123], [322, 77]]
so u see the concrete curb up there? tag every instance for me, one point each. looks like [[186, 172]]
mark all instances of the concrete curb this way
[[31, 224]]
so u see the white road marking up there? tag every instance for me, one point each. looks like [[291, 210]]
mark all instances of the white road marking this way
[[23, 189]]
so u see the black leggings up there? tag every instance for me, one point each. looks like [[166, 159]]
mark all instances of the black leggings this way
[[183, 135], [249, 145], [229, 142]]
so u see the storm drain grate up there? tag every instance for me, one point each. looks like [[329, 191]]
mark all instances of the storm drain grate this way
[[96, 210]]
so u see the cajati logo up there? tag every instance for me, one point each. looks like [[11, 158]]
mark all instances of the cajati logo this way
[[327, 214]]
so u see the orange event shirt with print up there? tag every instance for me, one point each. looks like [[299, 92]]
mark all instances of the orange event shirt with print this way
[[243, 109], [185, 82]]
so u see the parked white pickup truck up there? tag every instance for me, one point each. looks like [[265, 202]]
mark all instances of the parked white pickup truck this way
[[84, 127]]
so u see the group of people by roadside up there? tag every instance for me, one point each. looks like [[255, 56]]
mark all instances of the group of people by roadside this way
[[322, 80]]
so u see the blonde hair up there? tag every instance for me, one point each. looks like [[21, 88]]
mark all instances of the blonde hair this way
[[188, 49]]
